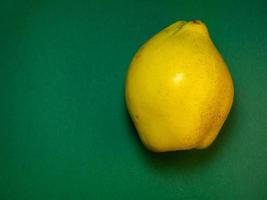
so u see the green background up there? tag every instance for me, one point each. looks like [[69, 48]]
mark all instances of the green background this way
[[64, 129]]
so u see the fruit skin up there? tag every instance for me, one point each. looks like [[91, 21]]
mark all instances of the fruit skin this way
[[178, 89]]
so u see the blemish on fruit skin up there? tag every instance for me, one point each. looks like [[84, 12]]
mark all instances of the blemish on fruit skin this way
[[195, 22], [136, 116], [141, 48], [137, 56]]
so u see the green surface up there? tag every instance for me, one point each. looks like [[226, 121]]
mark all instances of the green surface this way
[[64, 130]]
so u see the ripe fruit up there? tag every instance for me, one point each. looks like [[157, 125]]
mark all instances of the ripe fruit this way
[[178, 89]]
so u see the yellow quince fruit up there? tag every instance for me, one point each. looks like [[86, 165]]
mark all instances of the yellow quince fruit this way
[[178, 89]]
